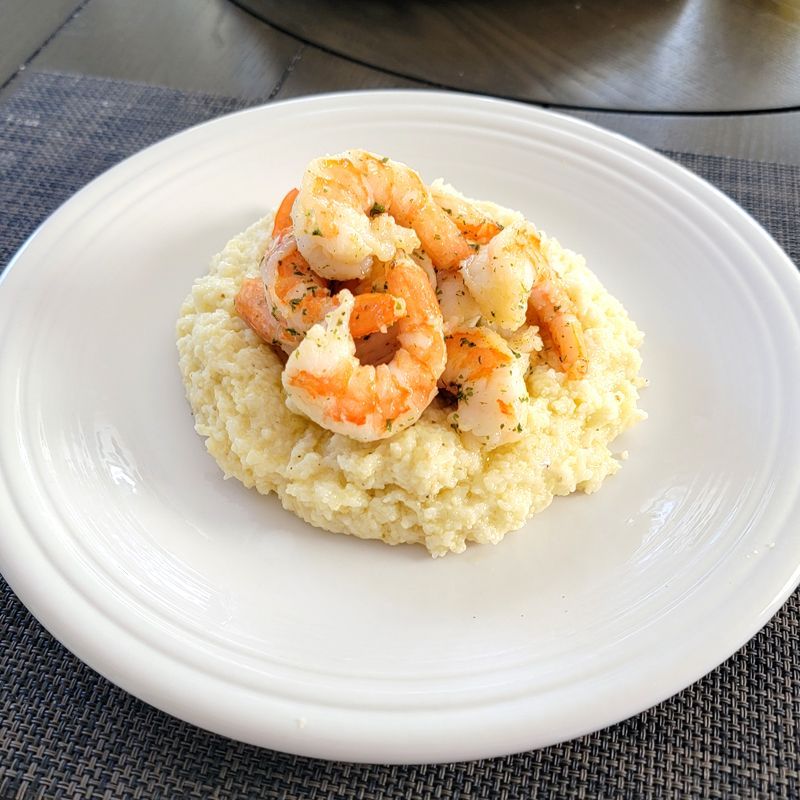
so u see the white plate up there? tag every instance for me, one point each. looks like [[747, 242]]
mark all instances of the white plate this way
[[212, 603]]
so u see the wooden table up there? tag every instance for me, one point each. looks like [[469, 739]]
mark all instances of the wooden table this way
[[215, 46], [659, 55]]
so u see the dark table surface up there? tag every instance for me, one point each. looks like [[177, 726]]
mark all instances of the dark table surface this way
[[660, 55], [216, 47]]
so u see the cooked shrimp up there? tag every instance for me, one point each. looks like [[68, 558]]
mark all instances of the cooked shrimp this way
[[356, 207], [501, 274], [380, 347], [375, 279], [488, 379], [550, 307], [513, 282], [252, 306], [299, 298], [292, 297], [325, 381], [469, 219], [295, 293], [424, 260], [251, 302], [283, 216], [459, 308], [525, 339]]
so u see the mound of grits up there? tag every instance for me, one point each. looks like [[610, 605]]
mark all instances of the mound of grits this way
[[427, 484]]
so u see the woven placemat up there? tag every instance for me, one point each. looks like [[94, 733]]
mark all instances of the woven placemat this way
[[65, 732]]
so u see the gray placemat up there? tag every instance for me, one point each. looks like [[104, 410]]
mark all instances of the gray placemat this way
[[65, 732]]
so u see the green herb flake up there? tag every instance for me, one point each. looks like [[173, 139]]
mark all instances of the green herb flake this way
[[465, 393]]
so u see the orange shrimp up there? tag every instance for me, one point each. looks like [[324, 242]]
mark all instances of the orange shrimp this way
[[356, 207], [470, 220], [252, 306], [551, 308], [325, 380], [561, 331], [487, 378], [292, 297], [299, 298], [513, 283], [283, 216]]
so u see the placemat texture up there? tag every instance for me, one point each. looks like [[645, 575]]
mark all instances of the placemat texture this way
[[65, 732]]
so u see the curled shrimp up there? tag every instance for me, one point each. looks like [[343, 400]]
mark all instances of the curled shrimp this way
[[487, 378], [476, 226], [251, 302], [299, 298], [380, 347], [325, 380], [513, 283], [550, 307], [459, 307], [500, 276], [283, 216], [290, 297], [251, 306], [357, 207]]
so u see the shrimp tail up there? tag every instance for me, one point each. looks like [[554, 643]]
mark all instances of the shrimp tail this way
[[283, 216]]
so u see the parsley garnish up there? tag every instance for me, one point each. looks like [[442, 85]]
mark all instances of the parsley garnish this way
[[465, 393]]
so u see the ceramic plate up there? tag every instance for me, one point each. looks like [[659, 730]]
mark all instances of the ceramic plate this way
[[212, 603]]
